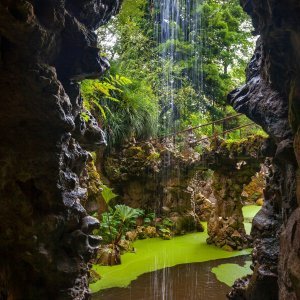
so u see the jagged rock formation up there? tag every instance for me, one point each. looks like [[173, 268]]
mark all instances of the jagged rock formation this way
[[234, 167], [45, 47], [253, 192], [271, 99], [153, 176]]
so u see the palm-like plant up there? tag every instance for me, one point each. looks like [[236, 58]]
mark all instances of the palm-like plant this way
[[117, 221]]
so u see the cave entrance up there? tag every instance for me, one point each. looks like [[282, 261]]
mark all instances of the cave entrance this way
[[179, 159]]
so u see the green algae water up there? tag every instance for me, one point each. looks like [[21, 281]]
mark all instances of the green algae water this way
[[157, 258], [156, 254], [227, 273], [249, 212], [182, 282]]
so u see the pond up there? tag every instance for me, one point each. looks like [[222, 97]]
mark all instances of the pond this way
[[182, 268], [188, 281]]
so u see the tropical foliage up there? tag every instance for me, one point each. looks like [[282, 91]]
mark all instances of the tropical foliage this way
[[132, 100], [124, 108], [116, 222]]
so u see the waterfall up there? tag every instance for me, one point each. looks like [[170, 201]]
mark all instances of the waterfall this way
[[177, 29], [177, 32]]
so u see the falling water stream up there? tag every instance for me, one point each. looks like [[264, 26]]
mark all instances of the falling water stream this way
[[177, 25]]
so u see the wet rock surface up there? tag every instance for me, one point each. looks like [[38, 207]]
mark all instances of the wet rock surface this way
[[91, 181], [46, 241], [271, 98]]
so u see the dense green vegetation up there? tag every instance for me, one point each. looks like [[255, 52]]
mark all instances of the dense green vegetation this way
[[207, 62]]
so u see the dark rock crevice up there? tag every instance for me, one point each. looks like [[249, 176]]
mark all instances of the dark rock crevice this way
[[45, 232], [270, 98]]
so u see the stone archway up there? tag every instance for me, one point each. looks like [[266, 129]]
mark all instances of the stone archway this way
[[225, 227], [234, 165]]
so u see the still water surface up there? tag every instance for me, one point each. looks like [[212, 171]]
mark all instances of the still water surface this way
[[182, 282]]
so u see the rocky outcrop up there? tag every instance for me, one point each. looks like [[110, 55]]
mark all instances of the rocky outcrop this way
[[234, 167], [253, 192], [270, 98], [91, 181], [265, 232], [45, 233], [157, 177], [153, 176]]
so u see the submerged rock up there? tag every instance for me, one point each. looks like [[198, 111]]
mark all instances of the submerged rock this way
[[93, 276], [108, 255], [151, 231], [131, 235], [125, 246]]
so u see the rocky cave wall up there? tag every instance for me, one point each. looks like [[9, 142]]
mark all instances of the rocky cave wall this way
[[45, 241], [271, 98]]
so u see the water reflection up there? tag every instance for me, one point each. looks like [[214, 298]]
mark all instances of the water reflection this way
[[183, 282]]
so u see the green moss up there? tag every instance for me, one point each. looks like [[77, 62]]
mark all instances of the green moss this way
[[232, 144], [153, 156], [135, 151], [94, 156], [93, 183], [238, 146], [112, 168], [228, 273]]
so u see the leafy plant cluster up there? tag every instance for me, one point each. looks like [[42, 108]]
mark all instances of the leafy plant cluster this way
[[116, 222], [119, 219], [125, 108]]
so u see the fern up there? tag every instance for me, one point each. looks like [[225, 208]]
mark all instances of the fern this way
[[126, 108]]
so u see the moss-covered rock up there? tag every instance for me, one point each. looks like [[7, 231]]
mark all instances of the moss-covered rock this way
[[253, 192], [91, 180], [108, 255], [93, 276]]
